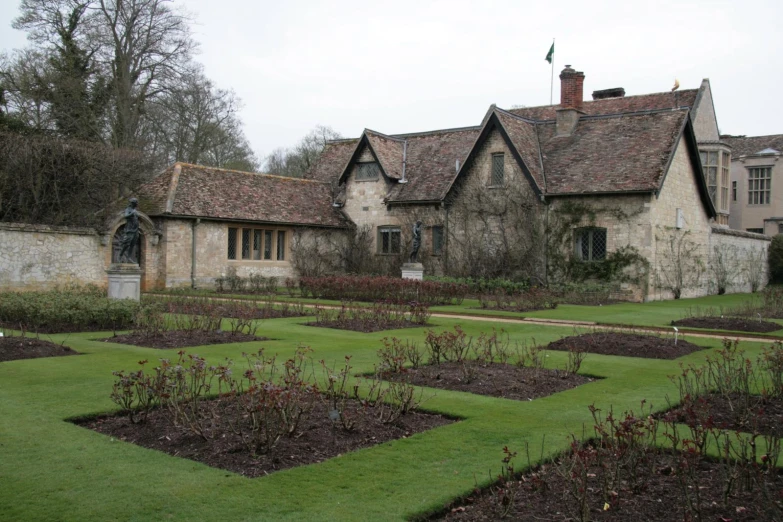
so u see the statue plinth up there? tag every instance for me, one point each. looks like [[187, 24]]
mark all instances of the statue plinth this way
[[413, 271], [124, 281]]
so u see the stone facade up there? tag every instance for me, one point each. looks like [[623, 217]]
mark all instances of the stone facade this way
[[766, 218], [37, 257]]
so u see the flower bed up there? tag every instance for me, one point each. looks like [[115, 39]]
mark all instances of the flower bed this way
[[374, 289]]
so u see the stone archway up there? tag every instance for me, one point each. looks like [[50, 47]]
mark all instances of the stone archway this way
[[149, 237]]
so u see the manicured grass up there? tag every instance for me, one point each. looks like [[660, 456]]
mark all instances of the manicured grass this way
[[53, 470]]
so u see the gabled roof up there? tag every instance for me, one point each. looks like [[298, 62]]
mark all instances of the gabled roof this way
[[619, 145], [333, 160], [752, 145], [431, 163], [195, 191], [619, 105], [619, 153]]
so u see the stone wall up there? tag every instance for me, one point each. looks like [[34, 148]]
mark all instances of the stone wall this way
[[679, 195], [212, 253], [745, 255], [38, 257]]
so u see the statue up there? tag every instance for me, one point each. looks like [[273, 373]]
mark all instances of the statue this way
[[416, 242], [131, 233]]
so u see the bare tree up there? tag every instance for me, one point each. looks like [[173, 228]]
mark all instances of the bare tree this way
[[724, 265], [145, 44], [197, 123], [296, 162]]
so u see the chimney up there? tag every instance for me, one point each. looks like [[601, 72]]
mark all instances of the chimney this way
[[571, 89], [615, 92]]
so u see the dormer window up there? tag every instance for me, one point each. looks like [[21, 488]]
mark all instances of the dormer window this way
[[498, 170], [367, 171]]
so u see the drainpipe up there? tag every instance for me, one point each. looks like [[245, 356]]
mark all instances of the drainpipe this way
[[193, 252], [404, 160]]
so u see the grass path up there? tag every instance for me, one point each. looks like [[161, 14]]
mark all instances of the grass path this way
[[51, 469]]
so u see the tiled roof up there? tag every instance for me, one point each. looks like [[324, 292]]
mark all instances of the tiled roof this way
[[207, 192], [619, 153], [524, 137], [431, 161], [644, 102], [389, 152], [333, 160], [749, 145]]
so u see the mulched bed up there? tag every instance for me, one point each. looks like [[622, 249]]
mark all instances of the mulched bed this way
[[545, 495], [761, 415], [317, 440], [16, 348], [182, 339], [365, 326], [495, 380], [629, 345], [729, 323]]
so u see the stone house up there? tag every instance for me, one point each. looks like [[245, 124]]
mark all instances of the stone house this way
[[645, 171], [756, 183], [548, 193]]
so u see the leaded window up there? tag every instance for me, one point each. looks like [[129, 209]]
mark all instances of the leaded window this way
[[232, 243], [709, 161], [437, 240], [590, 244], [389, 240], [280, 245], [498, 170], [256, 244], [724, 181], [759, 185], [367, 171]]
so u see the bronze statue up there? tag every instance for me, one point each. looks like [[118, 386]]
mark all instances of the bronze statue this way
[[130, 235], [416, 242]]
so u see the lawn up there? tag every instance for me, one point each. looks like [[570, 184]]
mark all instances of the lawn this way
[[54, 470]]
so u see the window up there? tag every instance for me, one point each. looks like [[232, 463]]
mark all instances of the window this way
[[759, 185], [590, 244], [437, 240], [498, 167], [246, 243], [755, 230], [232, 243], [367, 171], [724, 181], [256, 244], [734, 191], [389, 240], [280, 245], [709, 161], [267, 244]]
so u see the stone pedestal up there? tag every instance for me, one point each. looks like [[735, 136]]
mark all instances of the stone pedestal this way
[[124, 281], [413, 271]]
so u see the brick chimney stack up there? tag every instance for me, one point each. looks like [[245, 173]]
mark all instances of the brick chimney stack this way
[[571, 88]]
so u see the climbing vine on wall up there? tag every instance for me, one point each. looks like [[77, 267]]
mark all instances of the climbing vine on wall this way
[[623, 265]]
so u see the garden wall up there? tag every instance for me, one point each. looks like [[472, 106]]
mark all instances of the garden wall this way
[[40, 257], [747, 253]]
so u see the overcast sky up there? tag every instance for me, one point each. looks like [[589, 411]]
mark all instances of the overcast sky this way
[[410, 66]]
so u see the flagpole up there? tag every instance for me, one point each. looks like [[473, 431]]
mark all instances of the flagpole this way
[[552, 80]]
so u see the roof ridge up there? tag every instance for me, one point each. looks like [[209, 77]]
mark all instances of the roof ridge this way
[[619, 97], [439, 131], [517, 116], [619, 114], [743, 137], [248, 173], [383, 135]]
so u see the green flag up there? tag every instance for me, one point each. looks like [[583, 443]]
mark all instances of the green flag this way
[[551, 54]]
